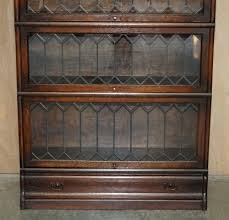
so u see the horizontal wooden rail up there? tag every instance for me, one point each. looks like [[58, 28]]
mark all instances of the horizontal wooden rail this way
[[118, 24], [154, 171], [112, 94]]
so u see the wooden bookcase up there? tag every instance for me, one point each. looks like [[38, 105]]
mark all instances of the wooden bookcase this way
[[114, 103]]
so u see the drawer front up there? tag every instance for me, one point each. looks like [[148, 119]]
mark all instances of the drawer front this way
[[114, 132], [117, 10], [113, 187], [115, 59]]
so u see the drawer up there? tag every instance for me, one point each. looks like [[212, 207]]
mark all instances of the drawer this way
[[116, 10], [141, 60], [145, 187]]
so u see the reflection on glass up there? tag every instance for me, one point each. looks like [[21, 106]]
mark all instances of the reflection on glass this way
[[129, 59], [114, 131], [115, 6]]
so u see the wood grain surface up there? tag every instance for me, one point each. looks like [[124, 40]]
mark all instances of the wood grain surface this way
[[219, 142]]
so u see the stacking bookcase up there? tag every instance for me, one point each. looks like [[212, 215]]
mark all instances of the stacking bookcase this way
[[114, 103]]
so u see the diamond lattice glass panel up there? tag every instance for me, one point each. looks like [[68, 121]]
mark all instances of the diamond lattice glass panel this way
[[51, 7], [129, 59], [115, 131]]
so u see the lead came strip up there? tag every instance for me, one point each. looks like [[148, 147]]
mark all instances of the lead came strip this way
[[133, 59], [148, 141]]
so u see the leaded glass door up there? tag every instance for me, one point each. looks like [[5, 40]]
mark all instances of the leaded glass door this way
[[136, 60], [117, 10], [115, 132]]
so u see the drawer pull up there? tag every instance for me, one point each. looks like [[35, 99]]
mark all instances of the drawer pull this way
[[170, 186], [56, 186]]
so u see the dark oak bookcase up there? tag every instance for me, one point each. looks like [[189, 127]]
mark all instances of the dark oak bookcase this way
[[114, 103]]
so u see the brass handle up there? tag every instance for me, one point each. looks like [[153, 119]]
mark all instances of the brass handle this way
[[56, 186], [170, 186]]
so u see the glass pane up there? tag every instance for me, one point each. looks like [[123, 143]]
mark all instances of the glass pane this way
[[115, 6], [128, 59], [114, 131]]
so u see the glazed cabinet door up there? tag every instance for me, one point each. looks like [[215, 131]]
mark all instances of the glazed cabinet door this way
[[117, 132], [116, 10], [94, 59]]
